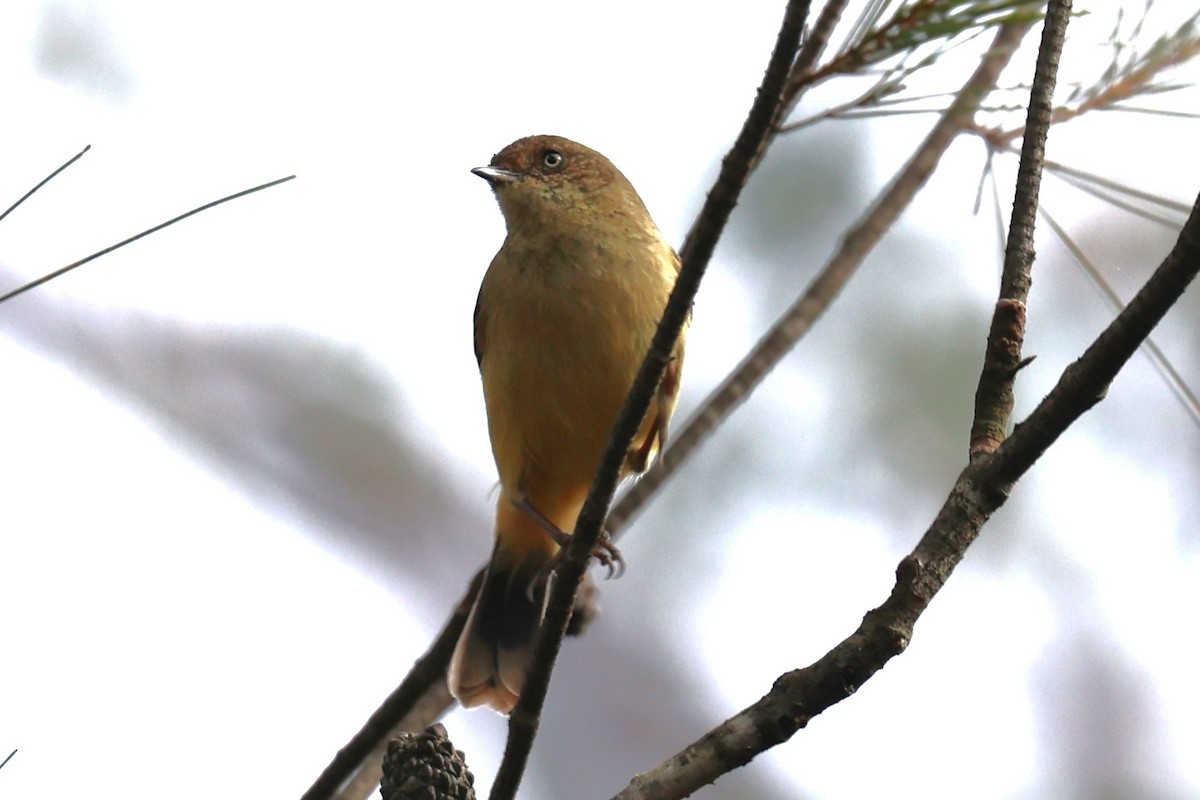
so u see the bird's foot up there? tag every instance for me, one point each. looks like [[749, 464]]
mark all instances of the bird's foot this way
[[605, 551], [608, 555]]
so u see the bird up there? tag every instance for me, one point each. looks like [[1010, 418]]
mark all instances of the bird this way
[[563, 320]]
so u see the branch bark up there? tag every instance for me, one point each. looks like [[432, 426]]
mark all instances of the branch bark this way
[[981, 488], [994, 397]]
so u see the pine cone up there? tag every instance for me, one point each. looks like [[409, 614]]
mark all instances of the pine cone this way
[[425, 766]]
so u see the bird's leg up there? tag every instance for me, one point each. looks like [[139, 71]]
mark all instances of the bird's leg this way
[[606, 552], [560, 537]]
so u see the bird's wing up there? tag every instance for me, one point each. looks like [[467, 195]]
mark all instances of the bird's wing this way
[[479, 328]]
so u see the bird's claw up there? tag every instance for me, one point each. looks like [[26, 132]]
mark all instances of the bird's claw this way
[[609, 556], [605, 552]]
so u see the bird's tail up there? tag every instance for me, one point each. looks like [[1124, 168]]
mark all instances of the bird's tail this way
[[493, 654]]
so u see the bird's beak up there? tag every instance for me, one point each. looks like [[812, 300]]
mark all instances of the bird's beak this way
[[496, 175]]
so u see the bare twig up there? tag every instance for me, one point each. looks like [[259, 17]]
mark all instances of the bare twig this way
[[1116, 199], [1120, 188], [695, 254], [43, 182], [1171, 376], [912, 26], [856, 245], [994, 396], [888, 88], [1085, 382], [981, 488], [810, 52], [63, 270], [1160, 112], [1098, 186], [420, 700], [427, 675], [1121, 82], [814, 45], [872, 98]]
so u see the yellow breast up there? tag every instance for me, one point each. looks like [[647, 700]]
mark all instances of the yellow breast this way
[[565, 334]]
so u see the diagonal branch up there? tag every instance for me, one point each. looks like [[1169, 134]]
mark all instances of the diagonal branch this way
[[63, 270], [42, 183], [1085, 382], [994, 396], [426, 681], [695, 254], [1183, 392], [856, 246], [981, 488], [814, 45]]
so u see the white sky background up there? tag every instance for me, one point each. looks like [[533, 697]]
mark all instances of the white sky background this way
[[380, 244]]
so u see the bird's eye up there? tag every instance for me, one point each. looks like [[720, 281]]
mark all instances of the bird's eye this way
[[552, 159]]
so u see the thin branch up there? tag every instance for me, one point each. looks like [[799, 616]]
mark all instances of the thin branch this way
[[1001, 235], [981, 488], [810, 53], [1116, 186], [876, 113], [867, 19], [894, 101], [891, 82], [914, 25], [1085, 382], [1090, 182], [856, 245], [43, 182], [1161, 112], [695, 254], [1115, 200], [1166, 370], [62, 271], [872, 98], [429, 672], [812, 45], [1134, 79], [420, 700], [994, 396]]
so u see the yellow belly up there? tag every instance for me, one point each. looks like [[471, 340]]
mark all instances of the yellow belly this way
[[559, 362]]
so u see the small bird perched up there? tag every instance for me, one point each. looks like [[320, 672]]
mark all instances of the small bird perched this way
[[564, 318]]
